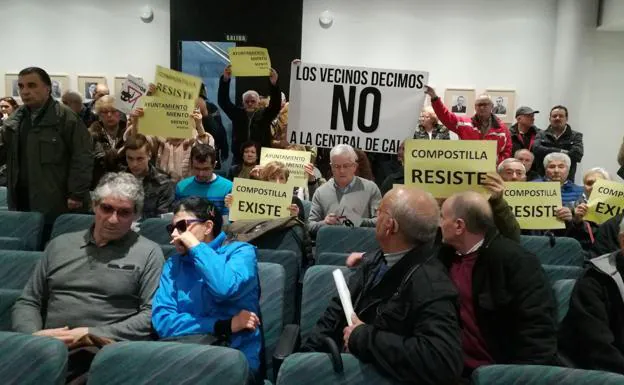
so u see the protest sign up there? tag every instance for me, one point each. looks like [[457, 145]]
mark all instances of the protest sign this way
[[295, 162], [250, 61], [255, 199], [446, 167], [167, 117], [174, 84], [132, 89], [534, 204], [605, 201], [368, 108]]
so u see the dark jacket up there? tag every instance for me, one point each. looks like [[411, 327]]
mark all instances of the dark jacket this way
[[159, 192], [592, 333], [244, 128], [439, 132], [513, 302], [392, 179], [106, 153], [504, 219], [606, 236], [215, 128], [60, 162], [411, 317], [571, 143], [519, 141]]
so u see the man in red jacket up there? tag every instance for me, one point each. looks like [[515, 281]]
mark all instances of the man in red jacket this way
[[482, 126]]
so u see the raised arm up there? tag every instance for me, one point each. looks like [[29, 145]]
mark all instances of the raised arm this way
[[447, 118], [224, 93]]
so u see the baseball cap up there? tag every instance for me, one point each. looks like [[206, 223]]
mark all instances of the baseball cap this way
[[524, 110]]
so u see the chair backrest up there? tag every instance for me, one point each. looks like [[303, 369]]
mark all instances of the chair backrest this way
[[292, 267], [564, 252], [541, 375], [272, 284], [562, 291], [21, 230], [331, 258], [316, 368], [155, 229], [556, 273], [339, 239], [318, 289], [168, 250], [17, 267], [7, 300], [3, 198], [290, 239], [70, 223], [307, 206], [28, 359], [151, 362]]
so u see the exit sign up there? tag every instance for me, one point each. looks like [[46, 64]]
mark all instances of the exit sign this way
[[235, 37]]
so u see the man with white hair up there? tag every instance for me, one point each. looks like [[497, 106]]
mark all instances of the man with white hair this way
[[557, 167], [249, 122], [592, 333], [527, 158], [512, 170], [484, 125], [405, 319], [95, 284], [345, 199]]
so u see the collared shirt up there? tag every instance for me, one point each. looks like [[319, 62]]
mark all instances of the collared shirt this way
[[473, 249], [393, 258], [346, 189]]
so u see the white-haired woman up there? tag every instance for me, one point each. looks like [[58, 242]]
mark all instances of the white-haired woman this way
[[429, 126], [107, 135]]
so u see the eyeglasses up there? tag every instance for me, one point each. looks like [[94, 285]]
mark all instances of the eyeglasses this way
[[106, 112], [121, 213], [342, 166], [182, 225]]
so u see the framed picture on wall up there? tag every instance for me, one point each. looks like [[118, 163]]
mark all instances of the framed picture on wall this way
[[504, 104], [118, 84], [10, 85], [60, 84], [87, 85], [460, 100]]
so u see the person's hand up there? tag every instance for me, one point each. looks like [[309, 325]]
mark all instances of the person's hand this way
[[331, 219], [579, 212], [346, 332], [186, 239], [256, 171], [228, 200], [227, 73], [296, 61], [244, 320], [431, 92], [495, 185], [354, 259], [273, 76], [309, 170], [151, 89], [73, 204], [70, 337], [294, 210], [563, 214], [51, 332], [197, 117], [137, 113]]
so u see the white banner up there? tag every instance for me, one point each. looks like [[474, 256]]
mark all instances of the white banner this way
[[369, 108], [132, 89]]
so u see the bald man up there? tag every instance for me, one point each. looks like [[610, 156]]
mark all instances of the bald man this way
[[406, 320], [507, 307]]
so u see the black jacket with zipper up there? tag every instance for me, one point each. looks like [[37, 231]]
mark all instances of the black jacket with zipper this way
[[513, 302], [411, 318], [592, 333]]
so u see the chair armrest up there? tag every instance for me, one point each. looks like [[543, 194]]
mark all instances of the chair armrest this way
[[334, 354], [288, 343]]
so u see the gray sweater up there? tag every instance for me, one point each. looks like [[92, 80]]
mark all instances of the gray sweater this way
[[359, 204], [107, 289]]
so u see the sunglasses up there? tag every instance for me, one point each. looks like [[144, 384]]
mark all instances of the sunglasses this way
[[182, 225], [122, 213]]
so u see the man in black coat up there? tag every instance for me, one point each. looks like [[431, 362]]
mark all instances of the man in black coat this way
[[406, 311], [592, 333], [249, 122], [607, 237], [506, 303]]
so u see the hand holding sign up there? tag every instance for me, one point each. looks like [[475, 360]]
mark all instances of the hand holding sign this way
[[564, 214], [495, 185], [227, 73], [273, 76], [579, 212], [431, 92]]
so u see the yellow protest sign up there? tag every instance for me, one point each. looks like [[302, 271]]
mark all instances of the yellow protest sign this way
[[250, 61], [534, 204], [446, 167], [167, 117], [605, 201], [295, 162], [255, 199], [176, 84]]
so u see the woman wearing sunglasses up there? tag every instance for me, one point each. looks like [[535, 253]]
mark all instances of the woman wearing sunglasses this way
[[210, 287]]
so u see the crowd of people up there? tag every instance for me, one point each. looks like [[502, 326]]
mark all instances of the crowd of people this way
[[450, 289]]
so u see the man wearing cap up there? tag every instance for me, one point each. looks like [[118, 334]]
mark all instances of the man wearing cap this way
[[524, 131]]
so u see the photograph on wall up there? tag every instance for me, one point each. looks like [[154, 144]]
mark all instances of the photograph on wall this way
[[504, 104], [10, 85], [87, 85], [118, 84], [60, 84], [460, 100]]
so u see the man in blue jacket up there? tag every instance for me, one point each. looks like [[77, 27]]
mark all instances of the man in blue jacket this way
[[209, 291]]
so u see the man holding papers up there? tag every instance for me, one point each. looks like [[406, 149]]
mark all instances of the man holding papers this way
[[405, 318]]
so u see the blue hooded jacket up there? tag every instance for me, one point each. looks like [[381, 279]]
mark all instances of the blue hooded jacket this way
[[211, 282]]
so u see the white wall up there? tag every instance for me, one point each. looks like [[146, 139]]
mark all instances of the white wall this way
[[508, 44], [84, 37]]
